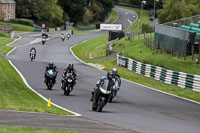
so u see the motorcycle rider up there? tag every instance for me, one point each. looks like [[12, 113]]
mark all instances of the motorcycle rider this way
[[96, 91], [53, 67], [62, 36], [116, 76], [70, 69], [68, 36], [33, 50]]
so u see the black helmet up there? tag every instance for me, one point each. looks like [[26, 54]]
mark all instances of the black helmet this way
[[51, 64], [70, 66], [110, 75]]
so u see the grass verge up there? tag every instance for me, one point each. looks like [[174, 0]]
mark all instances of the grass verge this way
[[113, 18], [15, 95], [84, 49], [19, 27], [7, 129], [3, 48]]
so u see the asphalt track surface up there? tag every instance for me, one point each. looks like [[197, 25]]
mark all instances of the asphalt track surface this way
[[136, 108]]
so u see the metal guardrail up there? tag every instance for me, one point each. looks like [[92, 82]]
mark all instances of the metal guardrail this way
[[183, 80]]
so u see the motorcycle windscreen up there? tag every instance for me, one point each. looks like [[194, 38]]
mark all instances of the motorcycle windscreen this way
[[105, 86], [50, 72]]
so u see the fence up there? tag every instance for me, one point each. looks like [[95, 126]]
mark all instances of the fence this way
[[183, 80]]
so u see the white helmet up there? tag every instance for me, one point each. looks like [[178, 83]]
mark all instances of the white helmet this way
[[114, 71]]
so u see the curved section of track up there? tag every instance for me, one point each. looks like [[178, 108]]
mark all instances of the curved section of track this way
[[136, 107]]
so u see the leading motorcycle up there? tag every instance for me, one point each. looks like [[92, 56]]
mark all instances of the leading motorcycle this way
[[67, 83], [102, 100]]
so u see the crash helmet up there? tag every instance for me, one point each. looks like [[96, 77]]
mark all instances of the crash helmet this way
[[114, 70], [70, 66], [110, 75], [51, 64]]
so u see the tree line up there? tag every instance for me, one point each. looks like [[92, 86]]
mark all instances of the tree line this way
[[169, 10], [59, 11]]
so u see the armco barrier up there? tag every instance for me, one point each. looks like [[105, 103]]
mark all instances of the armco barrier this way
[[183, 80]]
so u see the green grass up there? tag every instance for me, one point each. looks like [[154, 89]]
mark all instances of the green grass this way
[[113, 18], [3, 48], [77, 32], [14, 94], [84, 49], [3, 34], [13, 129], [91, 49], [19, 27], [163, 60], [136, 27]]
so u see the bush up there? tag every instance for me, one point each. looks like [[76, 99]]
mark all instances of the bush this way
[[22, 21], [146, 28]]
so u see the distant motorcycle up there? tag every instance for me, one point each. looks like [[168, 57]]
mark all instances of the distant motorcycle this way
[[50, 81], [62, 38], [32, 55], [68, 36], [103, 97], [43, 40], [67, 83]]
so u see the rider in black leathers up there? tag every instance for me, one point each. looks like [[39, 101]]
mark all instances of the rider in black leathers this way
[[96, 91], [70, 69], [32, 50], [50, 66]]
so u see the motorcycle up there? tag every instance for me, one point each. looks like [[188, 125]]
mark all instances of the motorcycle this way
[[32, 55], [50, 81], [68, 36], [62, 38], [67, 83], [43, 40], [115, 89], [103, 97]]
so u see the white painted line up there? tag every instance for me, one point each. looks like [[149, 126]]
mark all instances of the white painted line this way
[[33, 112], [116, 18], [137, 83], [45, 99], [126, 13], [26, 83], [129, 21], [12, 46], [134, 16]]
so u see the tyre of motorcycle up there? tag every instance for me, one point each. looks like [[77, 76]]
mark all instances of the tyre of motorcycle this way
[[49, 84], [113, 94], [101, 103], [69, 88]]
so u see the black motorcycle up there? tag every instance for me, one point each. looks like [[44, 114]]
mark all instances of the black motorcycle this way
[[114, 90], [50, 81], [32, 55], [67, 83], [103, 98], [43, 40]]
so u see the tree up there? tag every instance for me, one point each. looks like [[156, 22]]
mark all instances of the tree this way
[[47, 10], [173, 10]]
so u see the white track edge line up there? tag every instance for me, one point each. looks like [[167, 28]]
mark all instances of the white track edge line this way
[[26, 83], [44, 98], [12, 46], [186, 99]]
